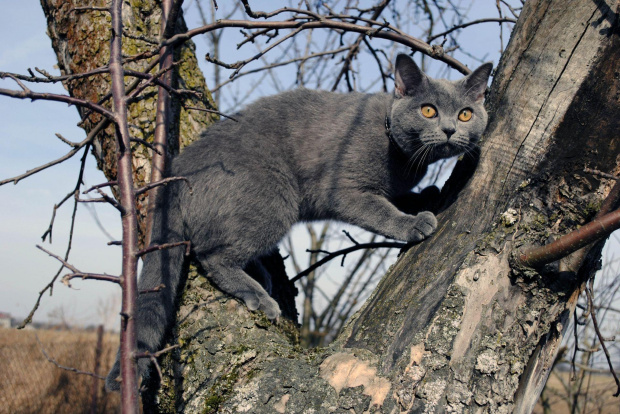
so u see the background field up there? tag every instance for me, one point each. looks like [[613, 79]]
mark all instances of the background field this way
[[30, 383]]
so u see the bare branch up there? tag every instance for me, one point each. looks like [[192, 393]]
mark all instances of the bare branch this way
[[163, 182], [211, 111], [348, 250], [66, 279], [26, 93], [391, 34], [600, 173], [91, 136], [74, 370], [157, 288], [499, 20], [157, 247], [597, 229], [61, 260], [95, 187], [602, 341]]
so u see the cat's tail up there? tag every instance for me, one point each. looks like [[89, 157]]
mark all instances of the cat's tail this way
[[158, 286]]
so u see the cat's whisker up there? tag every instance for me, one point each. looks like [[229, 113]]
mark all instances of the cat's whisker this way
[[409, 165]]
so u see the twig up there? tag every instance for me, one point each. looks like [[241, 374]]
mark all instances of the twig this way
[[473, 22], [66, 279], [602, 341], [284, 63], [157, 247], [157, 288], [104, 199], [53, 361], [26, 93], [355, 47], [98, 186], [413, 43], [146, 144], [346, 233], [157, 354], [91, 136], [576, 336], [61, 260], [212, 111], [56, 207], [50, 285], [348, 250], [165, 181]]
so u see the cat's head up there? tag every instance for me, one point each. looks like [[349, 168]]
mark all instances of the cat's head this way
[[437, 118]]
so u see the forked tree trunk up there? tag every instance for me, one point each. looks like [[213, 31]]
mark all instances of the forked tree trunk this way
[[451, 327]]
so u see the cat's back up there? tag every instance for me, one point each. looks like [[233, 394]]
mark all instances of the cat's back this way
[[272, 128]]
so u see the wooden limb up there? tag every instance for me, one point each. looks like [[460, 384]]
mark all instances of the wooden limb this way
[[70, 369], [157, 247], [499, 20], [355, 47], [348, 250], [66, 279], [406, 40], [211, 111], [91, 136], [602, 340], [95, 187], [156, 289], [26, 93], [128, 339], [163, 182]]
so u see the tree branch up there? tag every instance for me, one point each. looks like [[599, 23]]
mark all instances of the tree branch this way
[[348, 250]]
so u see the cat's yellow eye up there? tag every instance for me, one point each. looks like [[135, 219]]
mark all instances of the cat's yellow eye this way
[[465, 115], [429, 111]]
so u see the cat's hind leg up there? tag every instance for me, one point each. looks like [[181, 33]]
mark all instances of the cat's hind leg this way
[[234, 281]]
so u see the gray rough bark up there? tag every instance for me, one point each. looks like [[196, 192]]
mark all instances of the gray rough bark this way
[[467, 332]]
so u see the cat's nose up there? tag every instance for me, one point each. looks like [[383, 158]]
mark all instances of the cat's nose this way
[[449, 132]]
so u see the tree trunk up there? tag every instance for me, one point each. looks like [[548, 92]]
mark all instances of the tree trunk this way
[[452, 327], [81, 40]]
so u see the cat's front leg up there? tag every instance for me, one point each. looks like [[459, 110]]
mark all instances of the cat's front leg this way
[[375, 213]]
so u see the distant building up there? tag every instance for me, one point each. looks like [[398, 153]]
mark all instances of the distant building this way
[[5, 320]]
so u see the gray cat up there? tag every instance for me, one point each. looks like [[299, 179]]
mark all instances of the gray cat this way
[[301, 156]]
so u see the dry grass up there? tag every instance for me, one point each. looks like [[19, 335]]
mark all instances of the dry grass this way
[[595, 396], [31, 384]]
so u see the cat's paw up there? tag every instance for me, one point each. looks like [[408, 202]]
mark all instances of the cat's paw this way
[[113, 379], [424, 225], [258, 301]]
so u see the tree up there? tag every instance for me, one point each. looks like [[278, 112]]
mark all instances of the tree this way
[[477, 330], [472, 331]]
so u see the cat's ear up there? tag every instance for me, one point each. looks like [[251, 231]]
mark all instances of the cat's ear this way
[[407, 76], [476, 82]]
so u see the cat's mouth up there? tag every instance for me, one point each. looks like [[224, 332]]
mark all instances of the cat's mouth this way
[[447, 149]]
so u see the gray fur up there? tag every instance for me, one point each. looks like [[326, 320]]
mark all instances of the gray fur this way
[[300, 156]]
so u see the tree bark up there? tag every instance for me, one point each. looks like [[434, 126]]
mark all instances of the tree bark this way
[[452, 327], [81, 40]]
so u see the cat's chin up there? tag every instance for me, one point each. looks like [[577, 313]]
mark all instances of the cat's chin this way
[[446, 150]]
